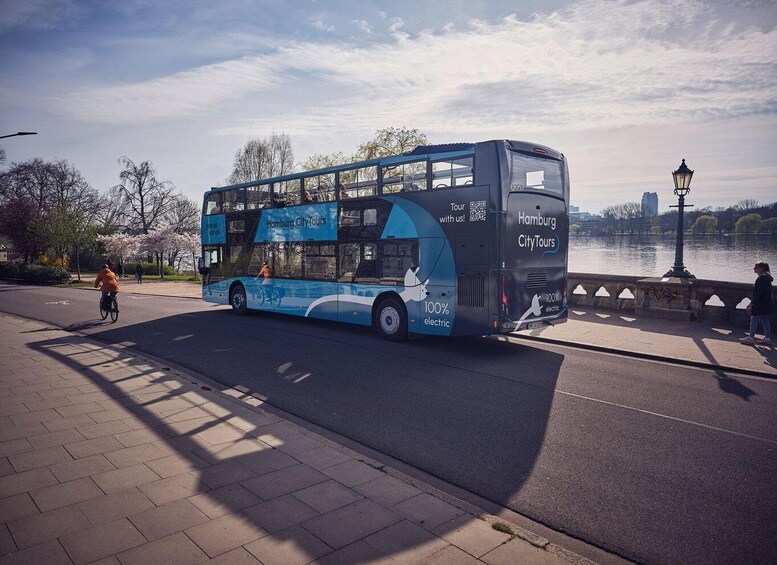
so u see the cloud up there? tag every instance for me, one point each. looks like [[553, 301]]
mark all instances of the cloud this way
[[593, 64], [363, 25], [38, 14], [319, 25]]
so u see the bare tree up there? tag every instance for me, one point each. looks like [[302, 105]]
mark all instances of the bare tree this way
[[183, 215], [390, 141], [263, 158], [147, 199]]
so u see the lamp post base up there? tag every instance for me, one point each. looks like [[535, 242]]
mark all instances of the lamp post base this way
[[681, 273]]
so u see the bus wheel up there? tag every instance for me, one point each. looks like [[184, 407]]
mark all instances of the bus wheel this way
[[237, 298], [391, 320]]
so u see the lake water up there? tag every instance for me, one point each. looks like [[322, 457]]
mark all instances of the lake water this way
[[718, 257]]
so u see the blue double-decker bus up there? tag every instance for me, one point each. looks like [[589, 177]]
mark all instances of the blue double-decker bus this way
[[457, 239]]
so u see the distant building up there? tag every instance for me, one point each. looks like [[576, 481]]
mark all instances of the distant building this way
[[650, 204], [574, 209]]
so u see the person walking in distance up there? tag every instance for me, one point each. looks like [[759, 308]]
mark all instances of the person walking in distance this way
[[139, 273], [762, 305]]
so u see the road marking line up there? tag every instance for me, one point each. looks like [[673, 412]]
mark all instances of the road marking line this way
[[748, 436]]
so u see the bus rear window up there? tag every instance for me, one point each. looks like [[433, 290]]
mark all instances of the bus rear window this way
[[530, 173]]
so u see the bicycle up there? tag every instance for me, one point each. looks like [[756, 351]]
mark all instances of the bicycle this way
[[109, 305], [269, 294]]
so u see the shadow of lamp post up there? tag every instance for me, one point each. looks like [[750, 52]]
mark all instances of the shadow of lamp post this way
[[19, 133], [682, 186]]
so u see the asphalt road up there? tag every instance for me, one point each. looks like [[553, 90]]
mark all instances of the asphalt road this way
[[655, 462]]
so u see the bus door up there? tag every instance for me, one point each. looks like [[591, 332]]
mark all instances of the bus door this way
[[536, 240]]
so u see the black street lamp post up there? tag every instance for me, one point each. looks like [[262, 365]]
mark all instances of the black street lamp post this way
[[682, 186], [19, 133]]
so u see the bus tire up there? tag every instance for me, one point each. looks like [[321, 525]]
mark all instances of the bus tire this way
[[237, 299], [391, 319]]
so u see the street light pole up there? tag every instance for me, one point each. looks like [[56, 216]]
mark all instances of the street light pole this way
[[19, 133], [682, 183]]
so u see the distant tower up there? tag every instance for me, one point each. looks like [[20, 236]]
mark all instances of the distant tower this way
[[650, 204]]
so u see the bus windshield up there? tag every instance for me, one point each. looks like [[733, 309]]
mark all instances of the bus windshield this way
[[532, 173]]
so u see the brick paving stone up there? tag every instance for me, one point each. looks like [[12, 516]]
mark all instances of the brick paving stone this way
[[280, 513], [176, 549], [89, 447], [69, 423], [352, 473], [6, 541], [243, 450], [13, 409], [36, 417], [189, 414], [15, 446], [137, 454], [173, 488], [81, 408], [287, 439], [474, 536], [284, 481], [102, 416], [519, 551], [406, 542], [55, 438], [225, 533], [327, 496], [65, 494], [221, 433], [49, 553], [102, 541], [8, 433], [216, 476], [115, 505], [43, 403], [167, 519], [357, 552], [176, 464], [81, 468], [450, 555], [39, 458], [124, 478], [237, 556], [139, 437], [47, 526], [104, 429], [5, 467], [17, 506], [386, 490], [26, 481], [294, 546], [427, 510], [267, 461], [58, 392], [322, 457], [350, 523], [224, 500]]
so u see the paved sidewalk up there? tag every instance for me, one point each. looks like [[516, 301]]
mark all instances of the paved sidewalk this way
[[694, 343], [108, 456]]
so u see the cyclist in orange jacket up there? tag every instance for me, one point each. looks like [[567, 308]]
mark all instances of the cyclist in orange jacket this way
[[110, 285]]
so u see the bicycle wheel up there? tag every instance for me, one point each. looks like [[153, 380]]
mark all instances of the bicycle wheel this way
[[103, 310], [114, 310], [275, 297]]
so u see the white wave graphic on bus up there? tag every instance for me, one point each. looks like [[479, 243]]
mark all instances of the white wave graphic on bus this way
[[414, 291]]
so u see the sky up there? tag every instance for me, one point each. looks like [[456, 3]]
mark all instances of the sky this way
[[625, 89]]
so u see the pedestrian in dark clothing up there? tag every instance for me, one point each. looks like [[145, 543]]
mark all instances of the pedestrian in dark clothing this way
[[120, 271], [139, 273], [762, 305]]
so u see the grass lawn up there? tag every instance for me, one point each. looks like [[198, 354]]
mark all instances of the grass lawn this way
[[87, 279]]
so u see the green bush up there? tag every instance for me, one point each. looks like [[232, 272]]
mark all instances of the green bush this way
[[148, 269], [34, 273]]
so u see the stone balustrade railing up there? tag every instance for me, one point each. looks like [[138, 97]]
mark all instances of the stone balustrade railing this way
[[697, 299]]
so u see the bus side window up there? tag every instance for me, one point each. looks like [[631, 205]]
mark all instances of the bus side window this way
[[357, 183], [213, 204], [258, 197], [452, 172], [407, 177]]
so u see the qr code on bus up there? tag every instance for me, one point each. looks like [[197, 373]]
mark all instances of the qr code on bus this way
[[477, 211]]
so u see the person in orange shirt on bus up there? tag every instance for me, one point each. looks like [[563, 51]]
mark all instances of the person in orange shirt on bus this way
[[266, 273]]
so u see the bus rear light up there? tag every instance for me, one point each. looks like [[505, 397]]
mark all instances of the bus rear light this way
[[540, 150], [505, 301]]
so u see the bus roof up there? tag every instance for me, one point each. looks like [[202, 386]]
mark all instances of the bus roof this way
[[433, 152]]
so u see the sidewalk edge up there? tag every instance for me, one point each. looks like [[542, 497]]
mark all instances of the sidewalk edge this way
[[647, 356]]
